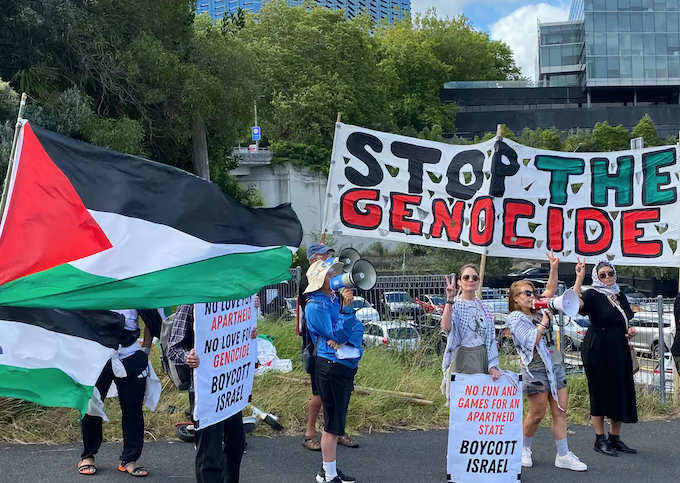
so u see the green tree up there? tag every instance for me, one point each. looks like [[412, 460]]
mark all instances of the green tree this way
[[541, 138], [579, 140], [610, 138], [645, 128]]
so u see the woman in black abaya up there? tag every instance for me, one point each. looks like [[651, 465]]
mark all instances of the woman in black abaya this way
[[606, 356]]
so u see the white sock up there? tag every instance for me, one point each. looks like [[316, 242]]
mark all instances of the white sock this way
[[330, 469], [527, 441]]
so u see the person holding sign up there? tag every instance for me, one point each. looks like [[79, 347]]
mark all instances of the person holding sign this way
[[219, 447], [607, 356], [543, 374], [471, 336], [337, 335]]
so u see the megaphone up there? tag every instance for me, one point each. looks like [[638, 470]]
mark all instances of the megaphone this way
[[362, 275], [348, 257], [568, 303]]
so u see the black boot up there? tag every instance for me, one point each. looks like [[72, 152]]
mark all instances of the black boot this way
[[616, 443], [603, 446]]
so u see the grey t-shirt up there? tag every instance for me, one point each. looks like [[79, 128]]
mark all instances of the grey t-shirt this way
[[549, 339]]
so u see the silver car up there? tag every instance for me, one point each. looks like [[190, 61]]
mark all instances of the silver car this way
[[392, 335]]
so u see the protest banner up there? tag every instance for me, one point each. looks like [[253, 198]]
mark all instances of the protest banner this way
[[485, 429], [223, 381], [504, 199]]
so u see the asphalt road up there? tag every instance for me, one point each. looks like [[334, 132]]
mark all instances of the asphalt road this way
[[408, 457]]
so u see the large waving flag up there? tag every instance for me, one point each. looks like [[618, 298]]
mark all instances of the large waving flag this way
[[90, 228], [54, 357]]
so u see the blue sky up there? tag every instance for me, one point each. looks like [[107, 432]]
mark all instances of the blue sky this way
[[513, 21]]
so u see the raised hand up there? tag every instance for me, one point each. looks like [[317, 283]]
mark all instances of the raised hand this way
[[554, 261], [580, 267], [450, 287]]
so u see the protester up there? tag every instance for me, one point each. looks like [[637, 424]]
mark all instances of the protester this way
[[337, 335], [315, 252], [675, 349], [470, 332], [219, 447], [543, 376], [128, 370], [607, 357]]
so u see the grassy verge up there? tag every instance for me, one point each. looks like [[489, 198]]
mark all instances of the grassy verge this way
[[413, 372]]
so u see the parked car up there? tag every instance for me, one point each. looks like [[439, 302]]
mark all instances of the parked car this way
[[575, 329], [653, 379], [400, 303], [429, 328], [495, 299], [391, 334], [364, 309], [647, 339], [533, 272], [431, 303]]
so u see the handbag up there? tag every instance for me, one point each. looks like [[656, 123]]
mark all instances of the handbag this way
[[633, 353]]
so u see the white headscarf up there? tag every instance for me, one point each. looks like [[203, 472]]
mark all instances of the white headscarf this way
[[597, 283]]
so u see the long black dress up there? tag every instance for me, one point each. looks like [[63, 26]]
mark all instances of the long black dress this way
[[606, 358]]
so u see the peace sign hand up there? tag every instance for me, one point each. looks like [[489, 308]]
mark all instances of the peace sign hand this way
[[580, 268], [554, 261], [450, 287]]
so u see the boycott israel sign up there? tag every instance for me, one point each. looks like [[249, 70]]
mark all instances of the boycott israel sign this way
[[485, 430], [505, 199], [223, 380]]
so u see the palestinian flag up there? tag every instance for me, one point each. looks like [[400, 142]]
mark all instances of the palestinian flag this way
[[54, 357], [90, 228]]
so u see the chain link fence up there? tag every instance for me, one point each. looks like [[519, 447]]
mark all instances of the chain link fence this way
[[399, 303]]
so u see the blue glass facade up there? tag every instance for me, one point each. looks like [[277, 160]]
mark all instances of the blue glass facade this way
[[390, 10], [627, 43]]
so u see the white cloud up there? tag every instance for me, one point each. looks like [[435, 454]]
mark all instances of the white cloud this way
[[519, 31], [445, 8]]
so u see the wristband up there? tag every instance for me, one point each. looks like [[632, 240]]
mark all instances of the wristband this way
[[541, 328], [450, 302]]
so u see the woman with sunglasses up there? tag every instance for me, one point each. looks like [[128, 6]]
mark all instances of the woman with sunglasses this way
[[606, 356], [543, 376], [471, 337]]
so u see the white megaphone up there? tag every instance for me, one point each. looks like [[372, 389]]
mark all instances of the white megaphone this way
[[348, 257], [568, 303], [362, 275]]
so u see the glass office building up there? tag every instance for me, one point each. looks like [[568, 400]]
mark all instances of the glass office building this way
[[561, 60], [627, 42], [390, 10]]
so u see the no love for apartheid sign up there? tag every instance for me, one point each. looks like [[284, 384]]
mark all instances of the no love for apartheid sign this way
[[505, 199], [485, 430], [223, 381]]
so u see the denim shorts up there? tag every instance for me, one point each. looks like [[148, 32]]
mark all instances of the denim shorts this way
[[538, 383]]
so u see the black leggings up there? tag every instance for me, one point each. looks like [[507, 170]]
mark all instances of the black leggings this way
[[219, 450], [131, 391]]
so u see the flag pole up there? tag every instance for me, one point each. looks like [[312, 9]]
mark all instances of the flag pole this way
[[482, 263], [323, 230], [10, 164]]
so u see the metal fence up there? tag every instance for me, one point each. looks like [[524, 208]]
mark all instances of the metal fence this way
[[418, 301]]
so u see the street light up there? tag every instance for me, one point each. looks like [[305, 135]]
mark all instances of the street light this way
[[577, 147]]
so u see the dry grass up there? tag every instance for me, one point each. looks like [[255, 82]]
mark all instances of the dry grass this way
[[413, 372]]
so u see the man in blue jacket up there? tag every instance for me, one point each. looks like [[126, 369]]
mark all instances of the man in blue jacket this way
[[337, 335]]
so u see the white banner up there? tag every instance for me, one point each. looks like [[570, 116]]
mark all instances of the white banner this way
[[485, 430], [223, 381], [505, 199]]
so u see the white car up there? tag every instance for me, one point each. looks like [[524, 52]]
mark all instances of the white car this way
[[364, 309], [393, 334]]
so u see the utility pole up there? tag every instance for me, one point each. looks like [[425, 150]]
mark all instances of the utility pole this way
[[257, 142]]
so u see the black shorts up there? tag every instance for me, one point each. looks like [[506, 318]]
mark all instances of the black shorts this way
[[312, 376], [335, 383]]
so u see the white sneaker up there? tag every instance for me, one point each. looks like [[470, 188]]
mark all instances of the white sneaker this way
[[527, 462], [569, 462]]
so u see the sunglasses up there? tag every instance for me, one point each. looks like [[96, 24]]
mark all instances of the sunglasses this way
[[475, 278], [528, 293], [604, 275]]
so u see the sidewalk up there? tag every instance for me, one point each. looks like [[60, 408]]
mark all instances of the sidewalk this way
[[408, 457]]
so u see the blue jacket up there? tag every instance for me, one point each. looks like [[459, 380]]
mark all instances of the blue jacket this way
[[326, 321]]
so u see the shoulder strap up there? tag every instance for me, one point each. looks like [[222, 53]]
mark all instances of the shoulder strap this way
[[619, 308]]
